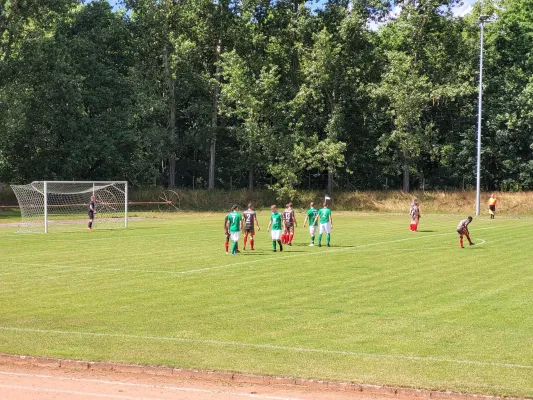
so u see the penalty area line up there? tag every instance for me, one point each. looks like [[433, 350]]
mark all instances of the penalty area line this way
[[268, 347], [199, 270]]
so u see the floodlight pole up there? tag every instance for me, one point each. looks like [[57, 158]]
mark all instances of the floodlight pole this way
[[482, 20]]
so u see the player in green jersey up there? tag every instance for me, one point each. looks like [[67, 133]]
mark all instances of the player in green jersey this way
[[326, 223], [233, 225], [313, 223], [277, 225]]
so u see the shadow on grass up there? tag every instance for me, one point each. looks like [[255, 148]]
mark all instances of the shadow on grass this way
[[426, 230]]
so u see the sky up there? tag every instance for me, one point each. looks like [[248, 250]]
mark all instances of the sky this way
[[459, 11]]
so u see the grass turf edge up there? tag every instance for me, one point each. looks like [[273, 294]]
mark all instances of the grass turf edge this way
[[227, 376]]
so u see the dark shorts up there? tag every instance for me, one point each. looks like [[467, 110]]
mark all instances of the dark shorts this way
[[250, 230], [289, 226], [461, 231], [492, 208], [91, 214], [227, 235]]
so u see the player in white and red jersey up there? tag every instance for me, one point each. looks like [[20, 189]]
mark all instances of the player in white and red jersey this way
[[462, 230], [289, 219], [250, 220]]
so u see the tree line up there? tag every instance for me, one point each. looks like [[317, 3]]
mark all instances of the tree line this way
[[279, 94]]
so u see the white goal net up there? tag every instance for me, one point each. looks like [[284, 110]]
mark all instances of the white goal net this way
[[63, 205]]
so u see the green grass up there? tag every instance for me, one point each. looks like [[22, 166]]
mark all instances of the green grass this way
[[383, 305]]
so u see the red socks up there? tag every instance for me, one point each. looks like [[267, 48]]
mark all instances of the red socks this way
[[251, 242], [245, 240], [227, 245], [291, 235], [461, 240]]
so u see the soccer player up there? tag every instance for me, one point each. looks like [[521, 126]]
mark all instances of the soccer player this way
[[289, 219], [313, 222], [250, 218], [462, 230], [414, 212], [326, 223], [233, 224], [91, 213], [276, 223], [492, 205], [226, 233]]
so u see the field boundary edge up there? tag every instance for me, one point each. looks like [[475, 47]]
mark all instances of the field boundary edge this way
[[241, 378]]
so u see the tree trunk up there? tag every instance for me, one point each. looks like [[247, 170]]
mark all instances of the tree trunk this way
[[172, 122], [214, 122], [330, 182], [405, 172], [250, 178]]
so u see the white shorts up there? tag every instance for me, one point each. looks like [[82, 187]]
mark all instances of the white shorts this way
[[235, 236], [312, 229], [276, 235], [325, 228]]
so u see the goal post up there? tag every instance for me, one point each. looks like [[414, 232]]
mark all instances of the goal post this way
[[64, 205]]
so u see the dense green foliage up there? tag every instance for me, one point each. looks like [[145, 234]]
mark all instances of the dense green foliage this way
[[260, 93], [382, 305]]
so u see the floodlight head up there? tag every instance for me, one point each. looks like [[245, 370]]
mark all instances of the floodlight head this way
[[484, 18]]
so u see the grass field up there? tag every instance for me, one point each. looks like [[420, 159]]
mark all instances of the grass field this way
[[383, 305]]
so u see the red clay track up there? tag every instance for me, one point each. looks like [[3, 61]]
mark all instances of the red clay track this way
[[29, 378]]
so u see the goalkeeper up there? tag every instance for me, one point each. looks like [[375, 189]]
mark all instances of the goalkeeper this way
[[91, 213], [462, 230]]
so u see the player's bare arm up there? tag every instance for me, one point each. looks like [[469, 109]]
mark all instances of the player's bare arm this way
[[257, 223], [305, 220]]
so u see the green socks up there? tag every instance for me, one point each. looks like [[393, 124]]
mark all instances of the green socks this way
[[274, 245], [233, 248], [319, 238], [328, 238]]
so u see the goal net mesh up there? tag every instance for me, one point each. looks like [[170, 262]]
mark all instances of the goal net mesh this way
[[67, 204]]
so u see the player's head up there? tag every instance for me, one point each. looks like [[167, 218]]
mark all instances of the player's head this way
[[289, 205], [250, 206], [235, 207], [273, 208], [312, 204], [93, 198], [325, 203], [492, 195], [470, 218]]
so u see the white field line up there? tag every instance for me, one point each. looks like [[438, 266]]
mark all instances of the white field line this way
[[478, 242], [142, 385], [73, 392], [88, 239], [193, 271], [266, 347]]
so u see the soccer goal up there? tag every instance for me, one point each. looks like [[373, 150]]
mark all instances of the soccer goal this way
[[64, 205]]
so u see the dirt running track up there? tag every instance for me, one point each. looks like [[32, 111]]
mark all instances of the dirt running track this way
[[25, 382]]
